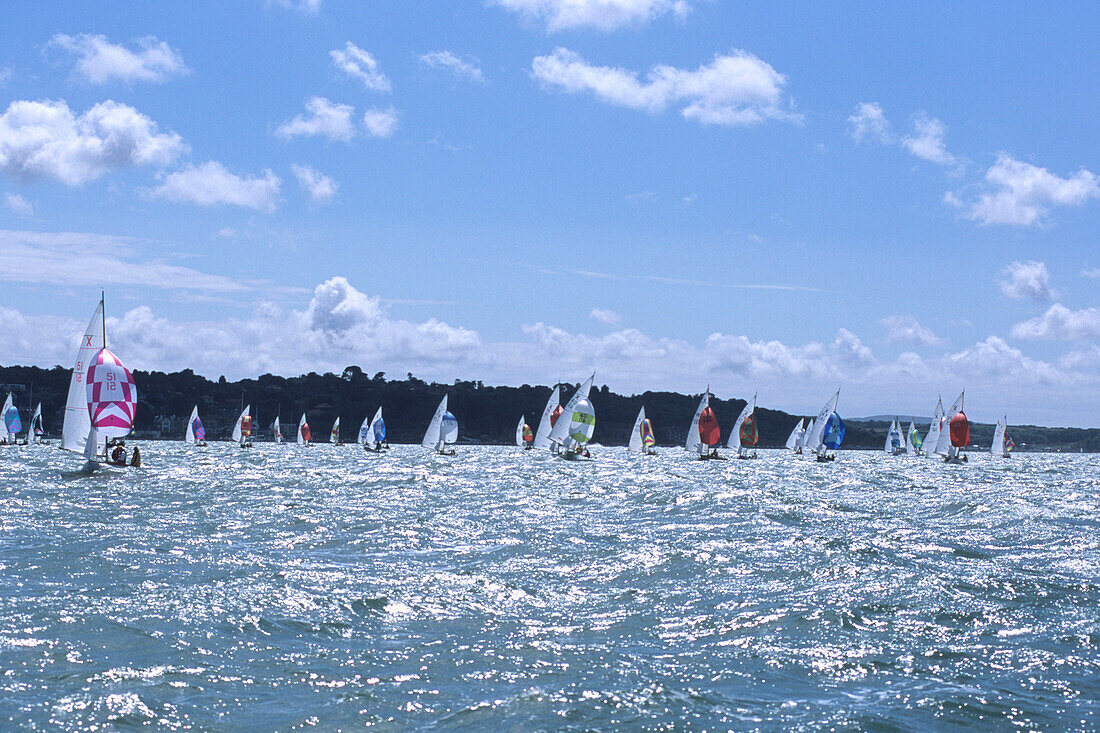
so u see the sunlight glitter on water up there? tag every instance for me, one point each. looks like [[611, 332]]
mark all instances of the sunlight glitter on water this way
[[284, 586]]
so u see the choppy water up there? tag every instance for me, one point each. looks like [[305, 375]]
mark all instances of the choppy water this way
[[282, 588]]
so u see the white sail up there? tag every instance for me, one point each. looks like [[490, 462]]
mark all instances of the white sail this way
[[998, 446], [301, 433], [366, 434], [519, 431], [276, 432], [805, 436], [237, 431], [796, 432], [889, 432], [542, 435], [910, 446], [734, 441], [635, 444], [36, 425], [433, 438], [933, 435], [694, 442], [943, 442], [77, 423], [560, 430], [815, 442], [8, 404], [189, 434]]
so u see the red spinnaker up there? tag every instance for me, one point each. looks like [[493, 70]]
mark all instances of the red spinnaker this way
[[709, 432], [960, 431]]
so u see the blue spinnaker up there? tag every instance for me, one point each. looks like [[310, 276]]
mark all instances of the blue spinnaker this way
[[834, 432]]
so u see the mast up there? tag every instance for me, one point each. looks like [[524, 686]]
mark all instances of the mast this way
[[103, 302]]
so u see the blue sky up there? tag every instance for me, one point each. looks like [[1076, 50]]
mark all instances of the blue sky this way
[[898, 200]]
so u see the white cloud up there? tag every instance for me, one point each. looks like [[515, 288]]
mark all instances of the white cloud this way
[[305, 6], [321, 188], [1061, 324], [46, 140], [18, 205], [1023, 194], [100, 61], [604, 15], [736, 90], [926, 142], [608, 317], [74, 259], [325, 119], [359, 64], [907, 329], [448, 61], [994, 360], [210, 184], [1029, 279], [380, 122], [869, 123]]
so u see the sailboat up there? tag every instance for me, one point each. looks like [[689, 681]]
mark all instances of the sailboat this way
[[642, 439], [550, 415], [893, 444], [334, 436], [704, 433], [242, 429], [442, 430], [805, 436], [951, 432], [277, 434], [524, 437], [195, 434], [797, 436], [1002, 445], [827, 432], [36, 430], [932, 437], [102, 398], [372, 433], [744, 434], [575, 426], [12, 424], [304, 435], [913, 440]]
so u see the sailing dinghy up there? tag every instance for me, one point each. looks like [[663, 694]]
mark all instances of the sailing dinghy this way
[[744, 434], [276, 432], [304, 435], [945, 440], [12, 424], [1002, 444], [36, 430], [704, 434], [575, 426], [242, 429], [893, 444], [442, 430], [827, 432], [797, 436], [913, 440], [372, 433], [524, 437], [932, 437], [642, 439], [550, 415], [195, 433], [334, 436]]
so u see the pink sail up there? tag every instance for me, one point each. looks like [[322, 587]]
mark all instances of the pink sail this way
[[112, 396]]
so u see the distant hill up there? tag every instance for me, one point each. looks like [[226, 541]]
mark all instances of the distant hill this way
[[889, 418], [486, 414]]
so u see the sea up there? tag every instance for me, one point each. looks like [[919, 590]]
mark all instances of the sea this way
[[287, 588]]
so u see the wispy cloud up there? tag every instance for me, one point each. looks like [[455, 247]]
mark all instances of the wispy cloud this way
[[321, 188], [464, 68], [360, 64], [99, 61], [605, 15], [380, 122]]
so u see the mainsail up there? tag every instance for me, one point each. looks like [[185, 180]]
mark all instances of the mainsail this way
[[36, 430], [77, 422], [998, 446], [433, 438], [519, 430], [932, 438], [546, 424], [795, 438], [635, 444]]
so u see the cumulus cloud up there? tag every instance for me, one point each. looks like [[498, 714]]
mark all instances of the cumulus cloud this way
[[361, 65], [324, 119], [1026, 280], [449, 61], [211, 184], [73, 259], [46, 140], [995, 359], [906, 329], [926, 142], [18, 205], [606, 15], [1061, 324], [100, 61], [737, 89], [608, 317], [1022, 194], [321, 188], [380, 122], [869, 122]]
